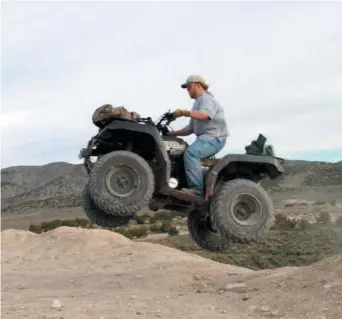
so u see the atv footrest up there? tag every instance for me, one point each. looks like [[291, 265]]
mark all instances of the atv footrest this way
[[184, 196]]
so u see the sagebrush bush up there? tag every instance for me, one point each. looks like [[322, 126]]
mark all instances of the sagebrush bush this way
[[303, 224], [124, 232], [138, 232], [132, 232], [338, 221], [35, 229], [53, 224], [319, 203], [323, 218], [82, 222], [282, 222], [162, 216], [155, 228], [165, 226], [153, 219], [141, 219], [173, 231]]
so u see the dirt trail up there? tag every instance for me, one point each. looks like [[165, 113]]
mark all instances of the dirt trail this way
[[78, 273]]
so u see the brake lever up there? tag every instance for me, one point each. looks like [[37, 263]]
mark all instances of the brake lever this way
[[169, 117]]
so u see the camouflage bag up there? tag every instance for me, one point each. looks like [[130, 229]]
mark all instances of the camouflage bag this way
[[107, 110]]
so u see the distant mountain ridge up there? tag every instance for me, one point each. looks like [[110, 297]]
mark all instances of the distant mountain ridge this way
[[60, 184], [56, 184]]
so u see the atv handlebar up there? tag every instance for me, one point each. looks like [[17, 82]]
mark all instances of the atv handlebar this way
[[164, 121]]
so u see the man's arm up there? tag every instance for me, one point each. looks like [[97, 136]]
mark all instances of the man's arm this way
[[206, 110], [199, 115], [185, 131]]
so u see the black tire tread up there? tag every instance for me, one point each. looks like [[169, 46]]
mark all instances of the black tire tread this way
[[221, 222], [117, 207], [203, 236], [98, 216]]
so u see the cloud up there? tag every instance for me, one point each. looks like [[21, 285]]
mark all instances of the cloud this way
[[275, 67]]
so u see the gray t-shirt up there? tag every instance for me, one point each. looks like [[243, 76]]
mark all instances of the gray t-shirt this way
[[216, 126]]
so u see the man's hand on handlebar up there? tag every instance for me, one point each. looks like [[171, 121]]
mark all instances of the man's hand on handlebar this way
[[171, 133], [181, 113]]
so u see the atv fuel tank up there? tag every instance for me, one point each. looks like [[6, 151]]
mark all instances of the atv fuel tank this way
[[175, 146]]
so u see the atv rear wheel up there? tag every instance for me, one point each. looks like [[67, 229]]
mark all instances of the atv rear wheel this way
[[98, 216], [242, 210], [203, 235], [121, 183]]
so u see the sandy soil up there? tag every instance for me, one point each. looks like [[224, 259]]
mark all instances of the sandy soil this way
[[78, 273]]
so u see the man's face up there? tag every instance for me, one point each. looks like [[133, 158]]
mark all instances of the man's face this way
[[192, 90]]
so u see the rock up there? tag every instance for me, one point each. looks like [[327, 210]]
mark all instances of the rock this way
[[264, 309], [332, 284], [57, 304], [237, 287]]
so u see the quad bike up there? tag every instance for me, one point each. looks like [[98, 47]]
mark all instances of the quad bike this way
[[139, 165]]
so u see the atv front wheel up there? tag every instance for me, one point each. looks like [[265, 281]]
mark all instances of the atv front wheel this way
[[98, 216], [121, 183], [203, 235], [242, 210]]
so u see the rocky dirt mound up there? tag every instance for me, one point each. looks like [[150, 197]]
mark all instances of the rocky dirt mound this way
[[78, 273], [309, 210]]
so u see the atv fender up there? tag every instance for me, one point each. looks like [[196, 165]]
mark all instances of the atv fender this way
[[162, 170], [243, 164]]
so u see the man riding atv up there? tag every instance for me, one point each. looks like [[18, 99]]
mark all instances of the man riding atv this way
[[207, 122]]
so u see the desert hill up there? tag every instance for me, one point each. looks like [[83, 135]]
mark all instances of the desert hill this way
[[78, 273], [58, 185], [55, 185]]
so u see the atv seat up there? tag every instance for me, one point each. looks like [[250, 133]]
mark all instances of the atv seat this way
[[102, 123]]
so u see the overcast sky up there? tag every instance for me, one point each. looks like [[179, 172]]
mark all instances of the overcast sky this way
[[275, 67]]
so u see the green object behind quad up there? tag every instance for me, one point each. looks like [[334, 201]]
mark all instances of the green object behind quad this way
[[139, 165]]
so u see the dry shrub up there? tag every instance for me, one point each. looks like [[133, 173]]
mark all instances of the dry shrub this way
[[173, 231], [319, 203], [35, 229], [338, 221], [138, 232], [281, 222], [323, 218], [141, 219], [165, 226], [303, 224], [333, 202], [53, 224], [131, 233], [162, 216], [155, 228]]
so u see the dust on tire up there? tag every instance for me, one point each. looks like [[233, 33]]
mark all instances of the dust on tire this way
[[203, 236], [114, 204], [98, 216], [223, 219]]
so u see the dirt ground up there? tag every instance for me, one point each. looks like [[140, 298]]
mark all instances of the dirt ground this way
[[92, 273]]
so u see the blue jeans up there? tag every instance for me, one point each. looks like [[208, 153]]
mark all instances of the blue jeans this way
[[204, 146]]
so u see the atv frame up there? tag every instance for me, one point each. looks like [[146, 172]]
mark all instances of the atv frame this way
[[145, 138]]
